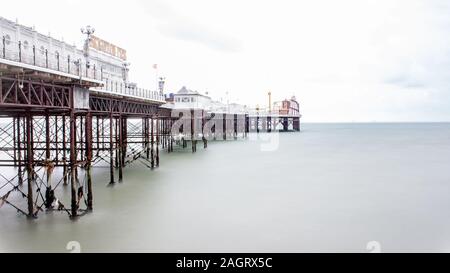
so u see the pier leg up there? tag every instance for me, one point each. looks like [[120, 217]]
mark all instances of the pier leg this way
[[235, 126], [120, 149], [163, 133], [29, 166], [97, 135], [147, 137], [257, 124], [47, 159], [269, 124], [152, 143], [168, 134], [103, 134], [73, 164], [171, 135], [204, 139], [64, 147], [247, 126], [157, 141], [168, 139], [193, 144], [124, 139], [19, 146], [111, 149], [89, 153], [33, 173], [81, 139], [56, 141], [296, 124], [116, 141], [47, 137], [14, 123], [224, 124]]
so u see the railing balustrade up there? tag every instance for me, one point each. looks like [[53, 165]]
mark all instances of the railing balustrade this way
[[42, 57], [123, 89]]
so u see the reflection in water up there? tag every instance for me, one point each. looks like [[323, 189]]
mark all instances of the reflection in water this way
[[333, 187]]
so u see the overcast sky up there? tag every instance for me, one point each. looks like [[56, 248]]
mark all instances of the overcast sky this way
[[343, 60]]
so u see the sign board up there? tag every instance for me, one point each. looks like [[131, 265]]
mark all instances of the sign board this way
[[106, 47]]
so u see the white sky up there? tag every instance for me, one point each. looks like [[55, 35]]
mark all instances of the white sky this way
[[343, 60]]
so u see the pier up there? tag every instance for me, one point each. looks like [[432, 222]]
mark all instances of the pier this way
[[65, 110]]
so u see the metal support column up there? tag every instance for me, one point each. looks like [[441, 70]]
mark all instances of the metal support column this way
[[157, 141], [73, 164], [89, 154], [30, 169], [111, 149]]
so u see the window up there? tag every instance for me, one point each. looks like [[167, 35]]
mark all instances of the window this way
[[42, 50]]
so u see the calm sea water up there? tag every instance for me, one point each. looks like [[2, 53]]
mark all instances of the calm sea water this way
[[332, 187]]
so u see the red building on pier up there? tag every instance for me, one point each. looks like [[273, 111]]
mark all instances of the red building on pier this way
[[287, 107]]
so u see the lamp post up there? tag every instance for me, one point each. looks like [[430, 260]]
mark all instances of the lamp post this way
[[88, 31], [125, 69], [162, 82]]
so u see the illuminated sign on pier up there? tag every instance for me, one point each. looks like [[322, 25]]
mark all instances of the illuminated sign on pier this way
[[106, 47]]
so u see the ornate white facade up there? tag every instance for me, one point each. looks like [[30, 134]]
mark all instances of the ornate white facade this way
[[24, 44]]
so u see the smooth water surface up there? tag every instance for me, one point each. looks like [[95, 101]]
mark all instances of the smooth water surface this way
[[332, 187]]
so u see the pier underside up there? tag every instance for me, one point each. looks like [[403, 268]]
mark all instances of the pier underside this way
[[51, 138]]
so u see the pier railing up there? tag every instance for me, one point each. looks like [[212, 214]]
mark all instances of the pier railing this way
[[122, 88], [41, 57]]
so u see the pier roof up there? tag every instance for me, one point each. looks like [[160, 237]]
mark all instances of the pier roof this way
[[186, 91]]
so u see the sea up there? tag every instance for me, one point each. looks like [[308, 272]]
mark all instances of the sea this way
[[353, 187]]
